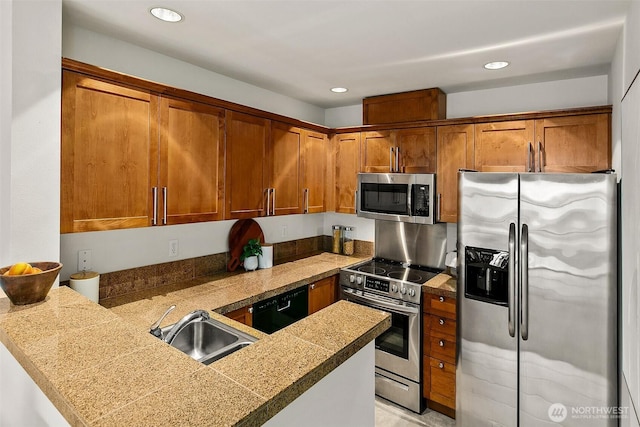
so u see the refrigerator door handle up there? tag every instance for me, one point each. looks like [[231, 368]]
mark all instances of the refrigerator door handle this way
[[524, 282], [512, 279]]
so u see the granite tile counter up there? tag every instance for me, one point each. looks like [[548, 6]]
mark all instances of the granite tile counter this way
[[101, 367], [442, 285]]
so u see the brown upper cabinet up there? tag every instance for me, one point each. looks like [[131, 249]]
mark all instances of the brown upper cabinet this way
[[109, 155], [455, 151], [411, 150], [247, 175], [504, 146], [580, 143], [417, 105], [284, 193], [191, 186], [347, 161], [314, 148]]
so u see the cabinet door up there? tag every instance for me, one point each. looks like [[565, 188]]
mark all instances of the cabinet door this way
[[347, 159], [109, 155], [284, 169], [455, 151], [378, 152], [191, 162], [246, 174], [314, 171], [417, 149], [243, 315], [323, 293], [573, 144], [504, 146]]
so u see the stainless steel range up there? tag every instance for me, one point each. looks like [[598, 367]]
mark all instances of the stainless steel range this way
[[407, 256]]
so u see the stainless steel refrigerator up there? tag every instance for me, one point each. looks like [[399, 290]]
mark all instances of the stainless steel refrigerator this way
[[537, 300]]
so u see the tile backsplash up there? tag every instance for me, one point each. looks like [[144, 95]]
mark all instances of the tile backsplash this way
[[123, 282]]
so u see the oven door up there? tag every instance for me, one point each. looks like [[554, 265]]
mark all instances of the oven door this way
[[398, 348]]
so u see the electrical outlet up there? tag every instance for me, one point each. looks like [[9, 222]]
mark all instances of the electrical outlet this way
[[84, 260], [284, 231], [173, 248]]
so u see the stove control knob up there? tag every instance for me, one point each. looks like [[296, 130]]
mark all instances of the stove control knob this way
[[394, 288], [359, 280], [403, 290], [352, 278], [412, 292]]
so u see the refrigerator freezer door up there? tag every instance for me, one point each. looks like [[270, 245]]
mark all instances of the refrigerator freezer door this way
[[486, 370], [569, 356]]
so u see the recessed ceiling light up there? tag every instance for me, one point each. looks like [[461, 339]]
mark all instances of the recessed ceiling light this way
[[339, 89], [496, 65], [166, 15]]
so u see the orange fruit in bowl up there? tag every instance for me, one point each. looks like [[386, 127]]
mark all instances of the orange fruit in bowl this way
[[20, 268]]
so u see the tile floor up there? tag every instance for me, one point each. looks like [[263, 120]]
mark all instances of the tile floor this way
[[391, 415]]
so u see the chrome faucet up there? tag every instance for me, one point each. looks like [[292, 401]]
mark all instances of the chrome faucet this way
[[155, 328], [180, 324]]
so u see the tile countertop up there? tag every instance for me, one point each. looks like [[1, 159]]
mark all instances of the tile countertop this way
[[441, 285], [101, 367]]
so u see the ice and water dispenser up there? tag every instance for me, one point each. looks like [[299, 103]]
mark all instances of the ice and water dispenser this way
[[487, 275]]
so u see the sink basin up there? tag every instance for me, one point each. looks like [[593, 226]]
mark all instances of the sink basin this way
[[208, 340]]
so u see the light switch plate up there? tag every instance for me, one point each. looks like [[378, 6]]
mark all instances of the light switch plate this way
[[173, 248]]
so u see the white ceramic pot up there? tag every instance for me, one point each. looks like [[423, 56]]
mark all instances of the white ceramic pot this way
[[251, 263]]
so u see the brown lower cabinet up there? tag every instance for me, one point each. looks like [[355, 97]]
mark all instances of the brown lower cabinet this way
[[439, 353], [323, 293], [242, 315]]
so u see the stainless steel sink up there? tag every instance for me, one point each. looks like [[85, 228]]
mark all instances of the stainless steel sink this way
[[207, 340]]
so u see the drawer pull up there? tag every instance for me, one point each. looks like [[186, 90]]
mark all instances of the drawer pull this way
[[441, 299], [441, 343], [441, 365], [441, 322]]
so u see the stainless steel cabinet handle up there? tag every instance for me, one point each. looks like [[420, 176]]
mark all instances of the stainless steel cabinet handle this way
[[539, 156], [441, 343], [273, 202], [397, 159], [441, 321], [164, 205], [306, 200], [441, 299], [524, 282], [154, 193], [313, 286], [529, 148], [439, 207], [511, 289], [268, 201], [250, 310], [441, 365], [390, 159], [355, 201]]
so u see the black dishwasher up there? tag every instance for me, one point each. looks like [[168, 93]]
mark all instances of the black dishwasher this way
[[275, 313]]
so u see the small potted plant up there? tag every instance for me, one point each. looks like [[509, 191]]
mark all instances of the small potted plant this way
[[250, 253]]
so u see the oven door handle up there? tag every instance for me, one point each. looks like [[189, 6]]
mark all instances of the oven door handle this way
[[376, 303]]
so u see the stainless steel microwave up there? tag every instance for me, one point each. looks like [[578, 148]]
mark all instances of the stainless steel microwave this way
[[397, 197]]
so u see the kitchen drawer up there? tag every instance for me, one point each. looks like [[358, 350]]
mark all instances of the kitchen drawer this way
[[443, 348], [445, 306], [443, 382], [443, 325]]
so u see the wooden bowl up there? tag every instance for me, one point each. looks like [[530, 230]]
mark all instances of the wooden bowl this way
[[30, 288]]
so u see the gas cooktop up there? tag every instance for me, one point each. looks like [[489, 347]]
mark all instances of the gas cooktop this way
[[397, 270]]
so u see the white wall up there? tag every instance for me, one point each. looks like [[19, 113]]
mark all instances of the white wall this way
[[625, 68], [97, 49], [554, 95], [30, 130], [123, 249]]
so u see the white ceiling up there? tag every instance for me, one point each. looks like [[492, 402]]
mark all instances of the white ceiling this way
[[302, 48]]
